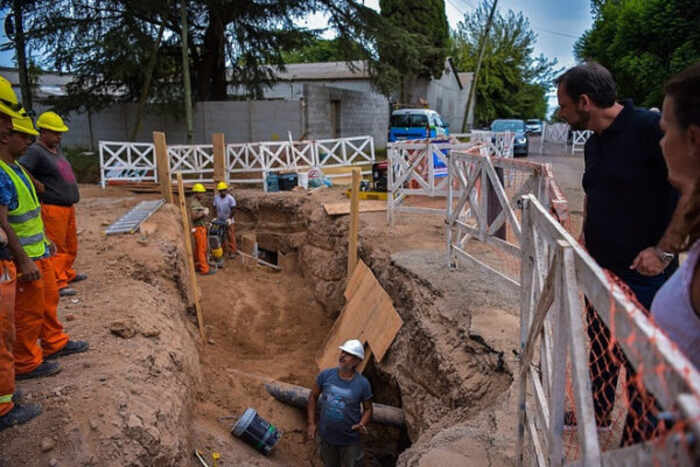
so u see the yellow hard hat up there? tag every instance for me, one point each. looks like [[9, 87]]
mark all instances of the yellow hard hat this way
[[198, 188], [8, 100], [222, 186], [24, 124], [51, 121]]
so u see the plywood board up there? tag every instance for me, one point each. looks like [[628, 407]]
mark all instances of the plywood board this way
[[343, 207], [368, 315], [248, 243]]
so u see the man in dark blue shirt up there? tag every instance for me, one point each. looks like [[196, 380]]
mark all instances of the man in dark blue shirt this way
[[627, 210]]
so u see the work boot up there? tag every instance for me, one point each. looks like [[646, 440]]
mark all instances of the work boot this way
[[45, 369], [20, 413], [78, 278], [67, 292], [70, 348]]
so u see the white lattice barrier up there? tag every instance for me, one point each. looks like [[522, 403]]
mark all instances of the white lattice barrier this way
[[502, 140], [481, 199], [555, 135], [420, 168], [127, 162], [345, 152], [556, 273], [195, 162], [578, 140]]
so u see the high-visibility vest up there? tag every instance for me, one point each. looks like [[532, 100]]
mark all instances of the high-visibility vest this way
[[25, 220]]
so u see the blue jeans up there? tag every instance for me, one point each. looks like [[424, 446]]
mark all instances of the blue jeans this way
[[605, 364]]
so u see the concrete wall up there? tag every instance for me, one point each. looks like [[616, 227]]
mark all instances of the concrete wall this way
[[361, 113], [240, 121]]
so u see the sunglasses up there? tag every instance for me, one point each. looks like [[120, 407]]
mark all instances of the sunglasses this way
[[15, 107]]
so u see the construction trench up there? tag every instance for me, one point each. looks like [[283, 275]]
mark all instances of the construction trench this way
[[150, 392]]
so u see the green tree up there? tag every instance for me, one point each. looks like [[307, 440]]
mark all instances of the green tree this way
[[325, 50], [513, 82], [642, 43], [417, 47]]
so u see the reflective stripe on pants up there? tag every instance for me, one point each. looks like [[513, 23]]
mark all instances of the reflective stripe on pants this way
[[7, 335]]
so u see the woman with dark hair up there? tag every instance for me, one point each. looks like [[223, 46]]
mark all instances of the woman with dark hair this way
[[676, 307]]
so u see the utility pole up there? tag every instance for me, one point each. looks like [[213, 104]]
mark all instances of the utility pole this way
[[21, 55], [147, 84], [482, 48], [186, 71]]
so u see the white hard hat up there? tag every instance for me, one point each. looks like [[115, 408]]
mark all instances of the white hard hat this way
[[354, 347]]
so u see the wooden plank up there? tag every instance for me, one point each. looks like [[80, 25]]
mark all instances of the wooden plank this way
[[344, 207], [572, 306], [690, 408], [219, 146], [187, 230], [354, 221], [659, 451], [539, 453], [557, 393], [163, 166], [361, 270], [385, 324]]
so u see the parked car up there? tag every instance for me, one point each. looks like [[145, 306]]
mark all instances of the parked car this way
[[534, 126], [416, 124], [520, 143]]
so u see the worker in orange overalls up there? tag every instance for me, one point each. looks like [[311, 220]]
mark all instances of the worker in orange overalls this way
[[47, 164], [12, 411], [36, 299], [224, 203], [198, 214]]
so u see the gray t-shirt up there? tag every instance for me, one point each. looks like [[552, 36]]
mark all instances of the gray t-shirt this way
[[55, 172], [341, 406], [224, 206]]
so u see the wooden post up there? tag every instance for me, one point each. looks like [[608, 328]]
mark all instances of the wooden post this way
[[190, 256], [354, 221], [217, 141], [163, 166]]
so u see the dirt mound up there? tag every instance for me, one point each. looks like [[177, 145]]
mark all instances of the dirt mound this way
[[125, 402]]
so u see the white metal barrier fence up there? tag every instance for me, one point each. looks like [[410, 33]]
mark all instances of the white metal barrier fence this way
[[554, 138], [578, 140], [243, 162], [419, 167], [127, 162], [555, 273]]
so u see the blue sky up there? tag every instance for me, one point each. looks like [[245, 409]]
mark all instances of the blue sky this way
[[557, 23]]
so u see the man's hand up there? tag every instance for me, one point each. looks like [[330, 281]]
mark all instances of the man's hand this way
[[311, 432], [648, 262], [28, 271], [359, 427], [52, 249], [3, 237]]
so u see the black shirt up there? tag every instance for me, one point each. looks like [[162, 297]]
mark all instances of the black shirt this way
[[55, 172], [630, 201]]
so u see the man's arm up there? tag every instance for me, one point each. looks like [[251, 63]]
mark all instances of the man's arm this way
[[40, 188], [311, 412], [28, 271], [366, 416], [3, 237]]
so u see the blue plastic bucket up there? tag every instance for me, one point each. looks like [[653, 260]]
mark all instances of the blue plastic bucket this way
[[272, 181], [256, 431]]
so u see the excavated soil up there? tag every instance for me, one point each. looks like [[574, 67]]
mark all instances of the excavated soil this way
[[149, 391]]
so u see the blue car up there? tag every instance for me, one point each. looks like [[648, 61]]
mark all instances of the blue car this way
[[416, 124], [520, 143]]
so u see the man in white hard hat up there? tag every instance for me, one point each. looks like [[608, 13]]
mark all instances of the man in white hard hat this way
[[343, 390]]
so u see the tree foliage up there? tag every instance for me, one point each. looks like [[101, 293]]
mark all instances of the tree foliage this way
[[417, 46], [642, 43], [105, 44], [325, 50], [513, 82]]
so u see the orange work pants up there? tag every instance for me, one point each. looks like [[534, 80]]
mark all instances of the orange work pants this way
[[60, 227], [36, 304], [200, 249], [231, 239], [8, 279]]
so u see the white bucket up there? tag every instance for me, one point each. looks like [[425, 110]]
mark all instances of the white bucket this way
[[303, 180]]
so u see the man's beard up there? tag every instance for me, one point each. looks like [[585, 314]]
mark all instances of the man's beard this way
[[582, 122]]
